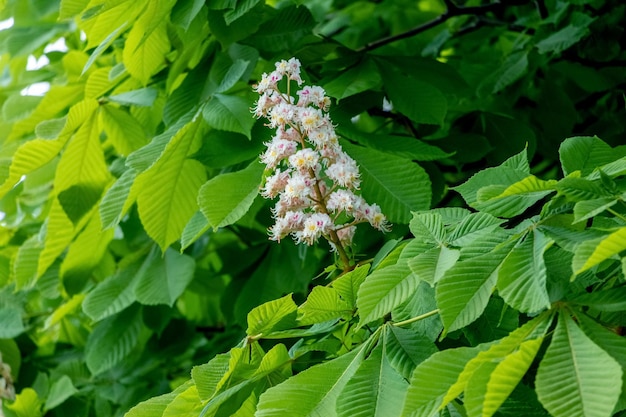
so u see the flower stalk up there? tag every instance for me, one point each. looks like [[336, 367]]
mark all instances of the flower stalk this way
[[313, 179]]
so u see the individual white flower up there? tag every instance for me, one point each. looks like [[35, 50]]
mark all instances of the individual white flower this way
[[277, 150], [310, 118], [298, 187], [341, 200], [313, 227], [345, 172], [275, 184], [281, 114], [304, 159]]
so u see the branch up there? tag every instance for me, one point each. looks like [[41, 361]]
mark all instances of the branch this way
[[451, 11]]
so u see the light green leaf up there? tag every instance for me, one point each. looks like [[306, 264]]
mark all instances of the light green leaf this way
[[155, 406], [428, 227], [167, 191], [375, 389], [522, 276], [507, 374], [472, 227], [384, 182], [431, 265], [27, 404], [323, 304], [144, 54], [313, 392], [162, 279], [118, 199], [591, 252], [512, 200], [123, 130], [587, 209], [383, 290], [207, 376], [576, 378], [464, 290], [230, 113], [226, 198], [142, 97], [186, 404], [272, 316], [112, 340], [348, 284], [61, 390], [197, 226], [425, 393]]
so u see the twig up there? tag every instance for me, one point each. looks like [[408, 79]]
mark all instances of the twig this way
[[452, 10], [414, 319]]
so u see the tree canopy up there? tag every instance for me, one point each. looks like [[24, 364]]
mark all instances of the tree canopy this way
[[157, 157]]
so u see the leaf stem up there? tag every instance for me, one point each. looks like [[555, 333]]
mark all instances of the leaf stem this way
[[616, 214], [414, 319]]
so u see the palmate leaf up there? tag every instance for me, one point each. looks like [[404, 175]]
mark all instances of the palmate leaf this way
[[576, 378], [431, 265], [348, 284], [226, 198], [472, 227], [383, 290], [425, 394], [464, 290], [587, 209], [613, 299], [314, 391], [167, 191], [591, 252], [385, 182], [123, 130], [375, 390], [113, 339], [522, 276]]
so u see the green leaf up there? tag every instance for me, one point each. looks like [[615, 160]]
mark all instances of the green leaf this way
[[27, 404], [272, 316], [117, 200], [562, 39], [464, 290], [431, 265], [226, 198], [323, 304], [375, 389], [207, 376], [196, 227], [421, 102], [511, 70], [405, 349], [230, 113], [184, 12], [384, 182], [144, 51], [473, 227], [162, 279], [142, 97], [362, 77], [507, 374], [11, 324], [576, 378], [522, 276], [79, 199], [113, 339], [348, 284], [61, 390], [587, 209], [591, 252], [428, 227], [383, 290], [123, 130], [425, 394], [313, 392], [613, 299], [166, 193], [155, 406], [284, 30], [584, 154], [112, 295], [514, 199]]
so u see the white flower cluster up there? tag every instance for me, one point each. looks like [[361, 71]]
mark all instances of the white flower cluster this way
[[313, 178]]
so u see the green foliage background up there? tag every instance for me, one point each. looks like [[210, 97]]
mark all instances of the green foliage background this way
[[133, 247]]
